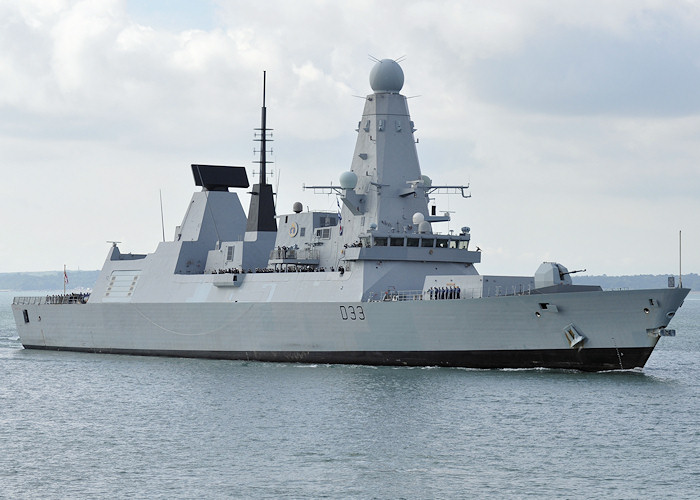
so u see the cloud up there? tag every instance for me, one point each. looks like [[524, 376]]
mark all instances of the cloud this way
[[651, 68], [575, 123]]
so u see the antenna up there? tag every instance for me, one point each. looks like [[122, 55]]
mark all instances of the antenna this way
[[372, 58], [162, 222], [261, 214], [680, 260], [277, 185], [263, 137]]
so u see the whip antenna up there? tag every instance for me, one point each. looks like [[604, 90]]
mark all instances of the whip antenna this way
[[680, 260]]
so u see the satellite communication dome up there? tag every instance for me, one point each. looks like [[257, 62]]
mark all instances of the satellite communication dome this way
[[297, 207], [386, 76], [418, 218], [348, 180], [424, 227]]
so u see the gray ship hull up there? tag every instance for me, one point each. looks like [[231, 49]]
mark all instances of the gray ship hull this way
[[619, 330], [590, 360]]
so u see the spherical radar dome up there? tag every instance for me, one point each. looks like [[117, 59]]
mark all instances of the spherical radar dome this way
[[348, 180], [386, 76]]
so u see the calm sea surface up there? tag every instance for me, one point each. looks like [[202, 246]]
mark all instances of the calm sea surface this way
[[96, 426]]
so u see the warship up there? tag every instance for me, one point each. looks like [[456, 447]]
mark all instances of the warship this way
[[374, 282]]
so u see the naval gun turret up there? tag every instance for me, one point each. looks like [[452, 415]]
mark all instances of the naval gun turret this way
[[553, 274]]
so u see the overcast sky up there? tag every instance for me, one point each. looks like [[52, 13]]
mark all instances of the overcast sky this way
[[576, 123]]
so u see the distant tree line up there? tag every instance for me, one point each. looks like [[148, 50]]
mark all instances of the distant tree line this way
[[637, 281]]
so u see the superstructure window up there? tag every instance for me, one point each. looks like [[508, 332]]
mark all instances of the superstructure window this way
[[229, 253], [324, 234], [441, 243], [412, 242], [327, 220], [427, 242], [396, 242], [379, 242], [302, 231]]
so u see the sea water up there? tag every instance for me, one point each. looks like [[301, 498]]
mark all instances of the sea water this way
[[97, 426]]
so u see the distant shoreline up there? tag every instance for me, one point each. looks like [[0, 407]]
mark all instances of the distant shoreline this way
[[47, 280], [637, 282]]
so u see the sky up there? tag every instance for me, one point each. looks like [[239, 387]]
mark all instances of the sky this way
[[576, 124]]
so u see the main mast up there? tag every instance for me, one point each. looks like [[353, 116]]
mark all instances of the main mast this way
[[261, 215]]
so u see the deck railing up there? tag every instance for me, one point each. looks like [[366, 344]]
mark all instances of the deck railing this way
[[70, 298], [404, 295], [290, 253], [445, 294]]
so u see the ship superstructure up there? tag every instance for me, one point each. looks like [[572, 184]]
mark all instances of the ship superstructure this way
[[374, 282]]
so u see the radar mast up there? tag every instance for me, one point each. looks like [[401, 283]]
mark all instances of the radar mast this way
[[261, 215]]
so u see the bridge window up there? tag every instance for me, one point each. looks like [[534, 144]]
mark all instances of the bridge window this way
[[379, 242], [412, 242], [327, 220], [396, 242], [427, 242], [441, 243]]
